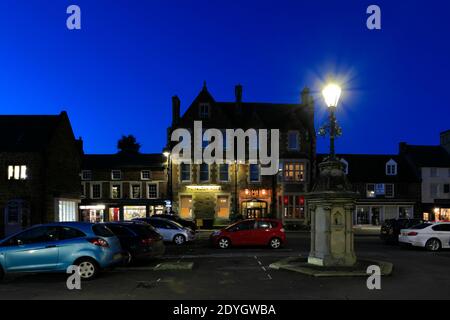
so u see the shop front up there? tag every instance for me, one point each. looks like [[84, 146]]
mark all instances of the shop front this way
[[255, 203], [375, 214], [438, 211]]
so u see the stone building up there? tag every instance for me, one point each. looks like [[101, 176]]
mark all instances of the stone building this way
[[432, 166], [386, 184], [122, 186], [40, 165], [219, 192]]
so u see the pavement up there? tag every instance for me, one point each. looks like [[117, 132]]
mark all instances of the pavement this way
[[197, 271]]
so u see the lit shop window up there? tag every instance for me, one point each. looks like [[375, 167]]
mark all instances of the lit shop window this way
[[186, 207], [133, 212], [17, 173], [67, 210]]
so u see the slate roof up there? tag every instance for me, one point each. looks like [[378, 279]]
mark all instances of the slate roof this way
[[426, 156], [117, 161], [28, 133], [250, 114], [371, 168]]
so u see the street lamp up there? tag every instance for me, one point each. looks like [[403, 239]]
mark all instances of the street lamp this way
[[331, 94], [166, 153], [236, 201]]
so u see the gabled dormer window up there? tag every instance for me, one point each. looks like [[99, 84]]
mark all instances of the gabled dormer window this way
[[391, 168], [204, 110], [345, 163]]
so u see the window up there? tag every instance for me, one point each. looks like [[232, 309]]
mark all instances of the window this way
[[152, 191], [185, 173], [35, 235], [448, 173], [17, 172], [379, 189], [391, 168], [434, 190], [224, 172], [204, 111], [293, 140], [116, 191], [294, 171], [204, 172], [433, 172], [67, 211], [186, 207], [389, 190], [370, 190], [293, 206], [254, 173], [446, 188], [83, 190], [223, 205], [243, 226], [145, 175], [263, 225], [116, 174], [86, 175], [135, 191], [442, 227], [66, 233], [96, 191]]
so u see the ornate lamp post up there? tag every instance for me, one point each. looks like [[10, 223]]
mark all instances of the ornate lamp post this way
[[331, 94], [331, 203], [166, 153]]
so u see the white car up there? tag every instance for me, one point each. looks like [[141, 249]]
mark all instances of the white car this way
[[432, 236]]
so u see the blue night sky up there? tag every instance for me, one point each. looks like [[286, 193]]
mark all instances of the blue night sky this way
[[117, 75]]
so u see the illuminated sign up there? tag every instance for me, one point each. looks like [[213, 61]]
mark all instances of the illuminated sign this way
[[203, 187]]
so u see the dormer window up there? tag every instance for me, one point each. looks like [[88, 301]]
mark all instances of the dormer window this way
[[204, 110], [391, 168], [345, 163]]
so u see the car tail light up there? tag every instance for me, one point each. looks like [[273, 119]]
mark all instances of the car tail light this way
[[99, 242], [146, 241], [412, 233]]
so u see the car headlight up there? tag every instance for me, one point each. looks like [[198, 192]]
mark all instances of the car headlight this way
[[216, 233]]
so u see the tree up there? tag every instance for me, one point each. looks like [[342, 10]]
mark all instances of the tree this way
[[128, 145]]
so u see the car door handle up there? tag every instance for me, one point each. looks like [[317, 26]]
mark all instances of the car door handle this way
[[51, 246]]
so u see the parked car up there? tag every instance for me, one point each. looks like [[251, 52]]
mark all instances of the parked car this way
[[170, 230], [390, 229], [176, 218], [54, 247], [264, 232], [139, 241], [432, 236]]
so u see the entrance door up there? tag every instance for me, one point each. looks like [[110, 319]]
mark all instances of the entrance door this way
[[254, 213], [16, 216]]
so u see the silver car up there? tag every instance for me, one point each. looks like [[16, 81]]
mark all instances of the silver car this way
[[170, 230]]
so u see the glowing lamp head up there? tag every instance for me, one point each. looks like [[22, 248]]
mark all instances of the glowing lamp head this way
[[166, 152], [331, 94]]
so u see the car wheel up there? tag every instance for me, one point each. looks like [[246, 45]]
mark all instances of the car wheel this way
[[224, 243], [179, 239], [88, 268], [275, 243], [433, 245], [128, 258]]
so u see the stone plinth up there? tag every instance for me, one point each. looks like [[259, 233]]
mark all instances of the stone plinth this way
[[331, 206]]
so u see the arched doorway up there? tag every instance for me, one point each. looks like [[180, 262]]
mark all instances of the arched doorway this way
[[254, 208]]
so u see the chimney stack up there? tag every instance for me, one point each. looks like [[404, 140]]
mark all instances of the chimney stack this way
[[306, 98], [175, 110], [238, 93]]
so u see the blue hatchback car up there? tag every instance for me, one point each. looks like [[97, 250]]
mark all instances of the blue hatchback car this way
[[54, 247]]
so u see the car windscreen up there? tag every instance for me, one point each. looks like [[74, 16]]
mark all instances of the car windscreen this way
[[421, 226], [102, 231]]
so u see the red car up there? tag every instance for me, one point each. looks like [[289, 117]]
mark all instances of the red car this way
[[264, 232]]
